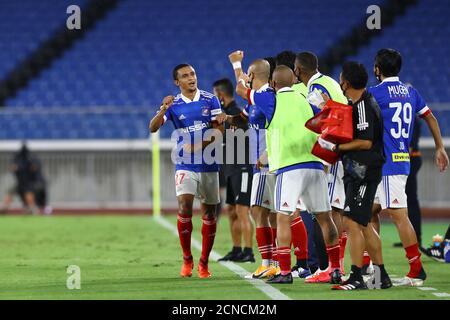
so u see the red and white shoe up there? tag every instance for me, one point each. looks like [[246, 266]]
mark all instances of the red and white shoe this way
[[320, 276]]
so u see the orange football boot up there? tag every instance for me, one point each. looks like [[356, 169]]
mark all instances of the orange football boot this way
[[203, 271], [186, 269]]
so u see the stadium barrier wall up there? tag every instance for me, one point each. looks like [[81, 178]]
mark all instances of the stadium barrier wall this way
[[117, 174]]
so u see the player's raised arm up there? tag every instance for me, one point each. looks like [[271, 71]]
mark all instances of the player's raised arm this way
[[159, 119], [441, 156], [236, 59]]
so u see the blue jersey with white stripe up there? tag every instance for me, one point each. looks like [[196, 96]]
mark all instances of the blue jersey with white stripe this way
[[399, 104], [257, 133], [257, 120], [191, 120]]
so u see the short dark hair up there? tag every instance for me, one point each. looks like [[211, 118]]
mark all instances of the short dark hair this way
[[178, 67], [389, 61], [308, 60], [225, 85], [286, 58], [273, 63], [356, 74]]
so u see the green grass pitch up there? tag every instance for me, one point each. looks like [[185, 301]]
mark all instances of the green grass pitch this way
[[135, 258]]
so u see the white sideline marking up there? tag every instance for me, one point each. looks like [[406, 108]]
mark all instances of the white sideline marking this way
[[437, 294], [268, 290], [426, 288], [442, 294]]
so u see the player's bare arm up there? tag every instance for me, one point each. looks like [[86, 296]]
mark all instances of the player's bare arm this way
[[239, 120], [192, 148], [158, 120], [355, 145], [236, 59], [441, 157], [241, 87]]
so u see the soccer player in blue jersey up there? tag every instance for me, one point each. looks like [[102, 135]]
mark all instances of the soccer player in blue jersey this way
[[399, 104], [193, 111], [263, 182]]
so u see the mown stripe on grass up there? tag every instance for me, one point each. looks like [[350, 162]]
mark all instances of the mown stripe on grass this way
[[268, 290]]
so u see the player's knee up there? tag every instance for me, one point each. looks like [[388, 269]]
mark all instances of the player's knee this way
[[209, 212], [185, 207], [399, 216], [231, 212], [376, 210]]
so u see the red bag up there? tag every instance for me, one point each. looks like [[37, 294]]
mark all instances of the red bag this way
[[335, 124], [324, 154]]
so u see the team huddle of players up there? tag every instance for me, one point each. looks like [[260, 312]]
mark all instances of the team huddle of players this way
[[344, 198]]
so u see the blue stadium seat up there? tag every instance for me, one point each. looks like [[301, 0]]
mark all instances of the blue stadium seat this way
[[122, 67], [421, 35]]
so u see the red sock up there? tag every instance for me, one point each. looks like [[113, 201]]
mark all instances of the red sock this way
[[299, 238], [264, 240], [415, 264], [274, 245], [284, 257], [208, 235], [333, 256], [366, 259], [343, 243], [184, 233]]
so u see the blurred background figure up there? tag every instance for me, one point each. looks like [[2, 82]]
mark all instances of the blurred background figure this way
[[440, 247], [237, 180], [30, 183], [414, 212]]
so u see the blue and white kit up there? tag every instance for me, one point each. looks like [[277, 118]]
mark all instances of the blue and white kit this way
[[399, 103]]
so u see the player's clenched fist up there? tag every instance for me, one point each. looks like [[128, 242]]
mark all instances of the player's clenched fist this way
[[236, 56], [167, 102]]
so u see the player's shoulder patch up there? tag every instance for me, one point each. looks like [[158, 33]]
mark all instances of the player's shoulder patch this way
[[206, 95]]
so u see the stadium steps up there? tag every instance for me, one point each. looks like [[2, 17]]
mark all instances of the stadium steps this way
[[360, 35], [43, 56]]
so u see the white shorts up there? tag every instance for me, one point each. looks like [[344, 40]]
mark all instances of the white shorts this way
[[391, 192], [307, 185], [336, 189], [263, 186], [203, 185], [300, 205]]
